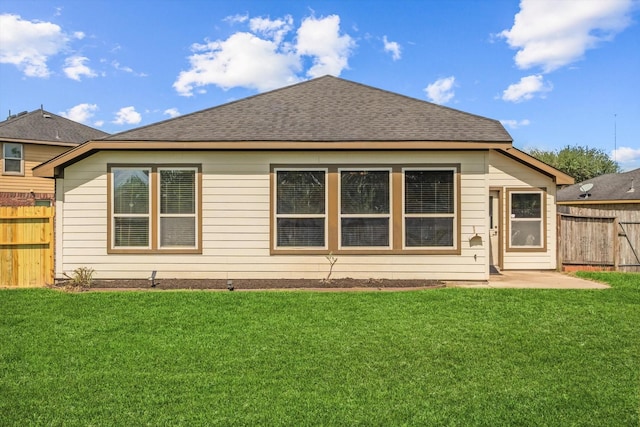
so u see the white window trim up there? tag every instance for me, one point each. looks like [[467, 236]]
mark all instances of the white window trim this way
[[114, 215], [324, 216], [161, 215], [453, 215], [387, 215], [541, 244], [21, 159]]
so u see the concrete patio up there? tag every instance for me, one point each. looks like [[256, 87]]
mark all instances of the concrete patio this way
[[544, 279]]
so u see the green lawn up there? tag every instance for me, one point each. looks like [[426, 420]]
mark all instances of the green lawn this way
[[447, 356]]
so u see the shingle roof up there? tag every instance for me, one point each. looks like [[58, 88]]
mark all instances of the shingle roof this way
[[613, 186], [40, 125], [324, 109]]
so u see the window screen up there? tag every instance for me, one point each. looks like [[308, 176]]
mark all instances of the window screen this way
[[365, 208], [131, 209], [300, 208]]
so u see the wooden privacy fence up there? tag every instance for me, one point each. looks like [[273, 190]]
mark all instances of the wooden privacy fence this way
[[26, 246], [598, 242]]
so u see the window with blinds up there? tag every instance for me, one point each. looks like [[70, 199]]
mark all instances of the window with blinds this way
[[177, 207], [131, 207], [429, 208], [301, 208], [167, 221], [365, 208]]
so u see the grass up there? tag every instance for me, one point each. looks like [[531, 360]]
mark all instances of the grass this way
[[438, 357]]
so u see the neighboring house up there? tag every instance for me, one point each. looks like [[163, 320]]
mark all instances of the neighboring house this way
[[608, 194], [28, 139], [271, 185], [613, 201]]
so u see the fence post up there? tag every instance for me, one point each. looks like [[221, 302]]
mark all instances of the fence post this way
[[558, 242], [616, 243]]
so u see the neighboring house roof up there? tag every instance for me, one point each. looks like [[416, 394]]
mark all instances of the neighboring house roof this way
[[43, 127], [611, 188], [324, 109], [327, 113]]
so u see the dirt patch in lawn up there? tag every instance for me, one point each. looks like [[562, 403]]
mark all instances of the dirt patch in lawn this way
[[262, 284]]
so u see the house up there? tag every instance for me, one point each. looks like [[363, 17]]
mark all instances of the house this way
[[608, 210], [272, 185], [28, 139]]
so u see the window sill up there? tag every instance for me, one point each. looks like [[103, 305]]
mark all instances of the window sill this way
[[154, 251], [444, 251], [525, 249]]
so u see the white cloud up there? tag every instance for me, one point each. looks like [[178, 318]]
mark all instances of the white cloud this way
[[321, 39], [79, 35], [29, 44], [242, 60], [127, 116], [75, 68], [393, 48], [235, 19], [98, 123], [626, 155], [441, 91], [172, 112], [273, 29], [267, 56], [81, 113], [119, 67], [126, 69], [526, 89], [515, 124], [553, 33]]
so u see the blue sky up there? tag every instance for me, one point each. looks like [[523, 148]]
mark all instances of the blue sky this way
[[555, 72]]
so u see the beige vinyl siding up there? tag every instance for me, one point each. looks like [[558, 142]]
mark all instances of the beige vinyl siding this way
[[34, 155], [235, 222], [506, 173]]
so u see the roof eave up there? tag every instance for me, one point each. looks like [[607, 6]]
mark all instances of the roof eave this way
[[54, 167], [558, 176]]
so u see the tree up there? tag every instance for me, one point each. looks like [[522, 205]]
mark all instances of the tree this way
[[582, 163]]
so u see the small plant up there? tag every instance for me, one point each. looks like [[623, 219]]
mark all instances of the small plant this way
[[332, 260], [81, 279]]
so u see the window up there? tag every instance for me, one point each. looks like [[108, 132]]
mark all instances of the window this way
[[131, 208], [12, 159], [429, 208], [527, 220], [154, 208], [301, 208], [365, 209]]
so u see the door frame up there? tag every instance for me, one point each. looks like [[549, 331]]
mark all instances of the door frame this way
[[501, 225]]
